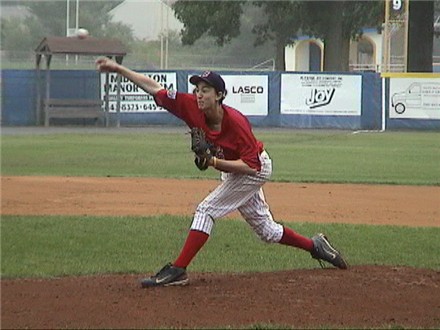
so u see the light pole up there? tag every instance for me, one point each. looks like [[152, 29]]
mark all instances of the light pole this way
[[166, 40], [163, 34], [68, 31], [67, 26], [67, 18], [76, 25], [77, 16]]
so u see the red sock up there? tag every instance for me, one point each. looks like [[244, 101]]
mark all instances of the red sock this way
[[294, 239], [194, 242]]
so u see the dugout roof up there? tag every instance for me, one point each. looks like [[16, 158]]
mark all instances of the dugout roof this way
[[74, 45], [77, 46]]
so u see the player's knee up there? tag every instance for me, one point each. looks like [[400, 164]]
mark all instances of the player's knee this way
[[202, 208], [202, 222], [266, 237], [270, 233]]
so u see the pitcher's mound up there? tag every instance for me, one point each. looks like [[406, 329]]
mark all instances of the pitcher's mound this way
[[363, 296]]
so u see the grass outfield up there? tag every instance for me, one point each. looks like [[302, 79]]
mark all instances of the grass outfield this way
[[299, 156], [53, 246]]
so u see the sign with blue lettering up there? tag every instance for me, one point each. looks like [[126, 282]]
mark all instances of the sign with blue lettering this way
[[133, 98], [321, 94]]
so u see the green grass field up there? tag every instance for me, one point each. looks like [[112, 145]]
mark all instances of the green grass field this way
[[298, 156], [34, 246], [60, 246]]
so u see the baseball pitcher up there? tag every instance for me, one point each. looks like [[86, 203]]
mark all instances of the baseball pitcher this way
[[222, 138]]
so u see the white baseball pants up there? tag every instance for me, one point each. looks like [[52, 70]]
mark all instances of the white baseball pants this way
[[243, 193]]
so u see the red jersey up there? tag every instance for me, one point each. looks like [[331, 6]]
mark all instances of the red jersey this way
[[235, 137]]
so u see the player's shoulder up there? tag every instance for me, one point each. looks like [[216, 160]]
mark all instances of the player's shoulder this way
[[173, 94], [234, 112], [237, 118], [237, 115]]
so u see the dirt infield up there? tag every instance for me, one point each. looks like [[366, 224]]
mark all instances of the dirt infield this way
[[363, 296], [362, 204]]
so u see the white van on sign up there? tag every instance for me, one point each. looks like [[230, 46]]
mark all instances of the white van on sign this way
[[418, 100]]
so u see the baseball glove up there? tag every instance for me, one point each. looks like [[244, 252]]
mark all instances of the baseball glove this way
[[202, 149]]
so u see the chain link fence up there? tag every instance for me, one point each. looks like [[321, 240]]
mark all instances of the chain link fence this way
[[26, 60]]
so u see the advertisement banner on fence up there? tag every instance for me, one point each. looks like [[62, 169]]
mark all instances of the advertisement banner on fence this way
[[133, 98], [246, 93], [321, 94], [417, 98]]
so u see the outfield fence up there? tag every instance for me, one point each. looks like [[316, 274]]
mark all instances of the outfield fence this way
[[352, 101]]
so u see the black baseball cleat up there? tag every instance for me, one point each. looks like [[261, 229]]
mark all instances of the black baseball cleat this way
[[322, 250], [167, 276]]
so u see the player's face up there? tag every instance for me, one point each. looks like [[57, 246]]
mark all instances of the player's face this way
[[207, 97]]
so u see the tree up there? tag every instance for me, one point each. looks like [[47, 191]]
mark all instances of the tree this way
[[420, 36], [283, 20], [20, 34], [48, 18], [334, 21], [219, 19], [338, 22], [93, 15]]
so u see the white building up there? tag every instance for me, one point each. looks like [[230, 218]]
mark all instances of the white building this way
[[148, 18], [307, 54]]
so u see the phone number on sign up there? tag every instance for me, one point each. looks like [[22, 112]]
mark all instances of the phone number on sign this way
[[134, 107]]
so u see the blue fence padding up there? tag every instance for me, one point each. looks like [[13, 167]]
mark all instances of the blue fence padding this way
[[71, 84], [419, 124], [305, 121], [371, 118], [19, 95], [139, 119]]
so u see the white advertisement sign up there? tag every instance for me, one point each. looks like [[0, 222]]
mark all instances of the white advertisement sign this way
[[415, 98], [320, 94], [246, 93], [133, 98]]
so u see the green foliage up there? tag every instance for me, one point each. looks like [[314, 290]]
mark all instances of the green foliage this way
[[48, 18], [21, 34], [354, 15], [52, 14], [93, 15], [81, 245], [336, 22], [282, 20], [220, 19], [282, 23]]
